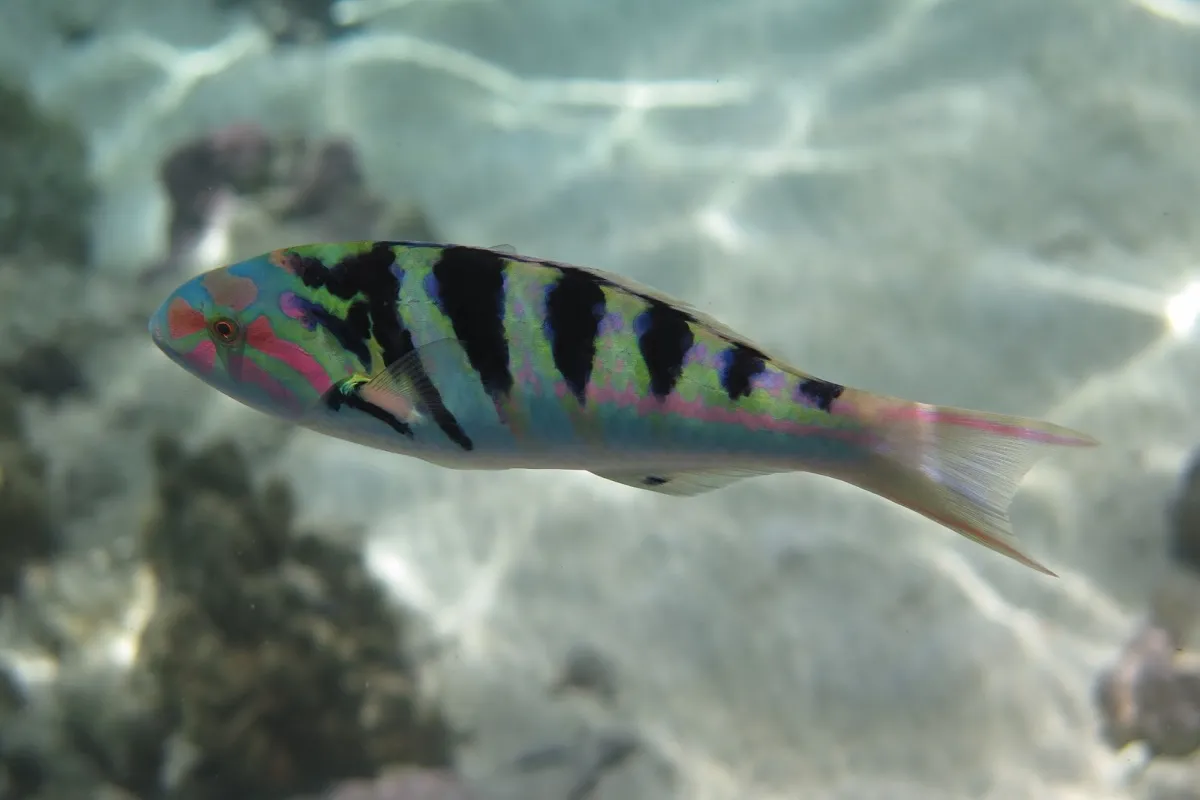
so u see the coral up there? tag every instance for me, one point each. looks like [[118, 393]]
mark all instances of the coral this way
[[46, 195], [274, 650]]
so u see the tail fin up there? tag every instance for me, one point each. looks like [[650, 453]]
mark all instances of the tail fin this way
[[957, 467]]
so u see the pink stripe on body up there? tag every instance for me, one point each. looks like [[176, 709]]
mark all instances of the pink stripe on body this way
[[702, 412]]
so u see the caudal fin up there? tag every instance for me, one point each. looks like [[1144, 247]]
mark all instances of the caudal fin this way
[[957, 467]]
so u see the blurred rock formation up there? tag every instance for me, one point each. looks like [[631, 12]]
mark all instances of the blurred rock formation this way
[[251, 192], [27, 527], [274, 651], [1150, 697], [293, 21], [585, 670], [270, 665], [46, 193]]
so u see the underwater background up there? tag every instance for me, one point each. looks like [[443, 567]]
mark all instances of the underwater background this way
[[983, 203]]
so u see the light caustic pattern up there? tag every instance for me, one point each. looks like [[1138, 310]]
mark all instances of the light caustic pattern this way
[[1186, 12], [787, 637]]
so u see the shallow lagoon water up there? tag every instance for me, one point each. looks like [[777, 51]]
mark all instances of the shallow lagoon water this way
[[987, 204]]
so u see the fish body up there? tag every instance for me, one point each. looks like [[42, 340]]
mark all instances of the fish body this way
[[478, 358]]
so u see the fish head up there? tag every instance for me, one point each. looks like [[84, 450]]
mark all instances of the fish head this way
[[250, 331]]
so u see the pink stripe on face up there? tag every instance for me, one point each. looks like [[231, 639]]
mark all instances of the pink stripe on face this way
[[254, 374], [183, 319], [261, 337], [202, 356]]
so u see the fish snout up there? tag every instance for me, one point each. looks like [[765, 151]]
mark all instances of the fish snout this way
[[158, 327]]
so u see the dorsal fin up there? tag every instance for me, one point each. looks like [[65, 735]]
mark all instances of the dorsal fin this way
[[702, 319]]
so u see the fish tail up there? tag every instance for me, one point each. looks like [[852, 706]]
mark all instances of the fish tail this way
[[957, 467]]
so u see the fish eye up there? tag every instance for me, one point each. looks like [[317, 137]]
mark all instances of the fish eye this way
[[225, 329]]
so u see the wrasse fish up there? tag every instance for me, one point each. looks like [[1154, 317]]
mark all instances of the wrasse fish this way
[[477, 358]]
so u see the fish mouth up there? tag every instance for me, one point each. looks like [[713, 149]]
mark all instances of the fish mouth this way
[[158, 330]]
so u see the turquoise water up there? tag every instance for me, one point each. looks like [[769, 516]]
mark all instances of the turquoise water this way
[[987, 203]]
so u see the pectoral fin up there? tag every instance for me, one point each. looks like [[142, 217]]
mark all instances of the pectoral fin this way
[[399, 389], [413, 389]]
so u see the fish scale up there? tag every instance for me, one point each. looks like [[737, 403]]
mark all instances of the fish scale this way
[[480, 358]]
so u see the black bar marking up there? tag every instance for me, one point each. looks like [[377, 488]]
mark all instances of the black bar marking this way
[[819, 393], [740, 366], [470, 292], [575, 306], [351, 333], [369, 275], [664, 338]]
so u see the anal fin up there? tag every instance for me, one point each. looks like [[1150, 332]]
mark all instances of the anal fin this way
[[680, 484]]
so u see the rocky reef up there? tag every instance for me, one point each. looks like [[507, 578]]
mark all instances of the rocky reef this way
[[271, 666], [274, 651]]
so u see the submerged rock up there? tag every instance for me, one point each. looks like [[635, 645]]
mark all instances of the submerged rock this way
[[1152, 695], [274, 651], [587, 671], [1148, 700], [257, 192], [46, 193], [288, 21]]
